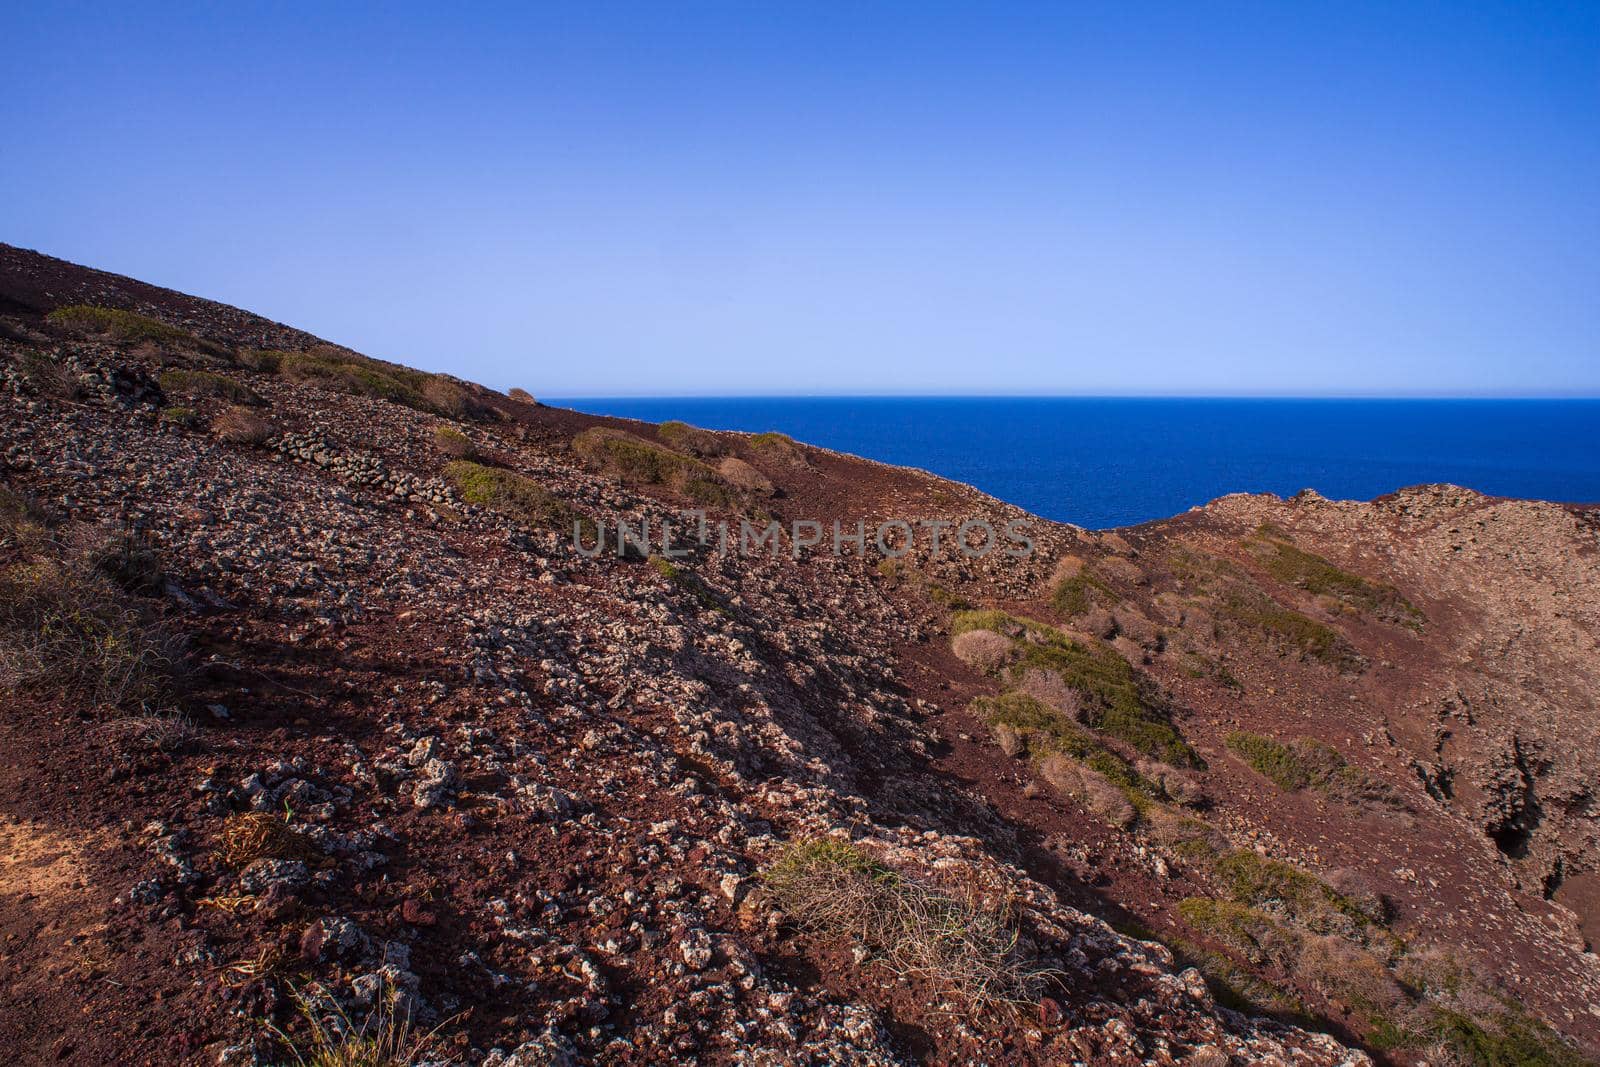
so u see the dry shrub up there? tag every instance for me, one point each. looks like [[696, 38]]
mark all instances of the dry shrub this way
[[691, 439], [452, 442], [258, 835], [1067, 568], [921, 931], [742, 475], [522, 395], [1107, 800], [1183, 787], [1048, 689], [1099, 795], [982, 650], [116, 553], [446, 397], [1098, 622], [241, 426], [1134, 624], [1357, 888], [1122, 570], [1011, 741], [1341, 971]]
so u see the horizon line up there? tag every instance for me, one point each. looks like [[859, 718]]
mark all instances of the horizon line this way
[[1583, 396]]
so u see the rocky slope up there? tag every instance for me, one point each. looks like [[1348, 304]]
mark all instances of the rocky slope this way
[[317, 717]]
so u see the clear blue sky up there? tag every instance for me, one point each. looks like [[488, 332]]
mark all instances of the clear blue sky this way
[[690, 198]]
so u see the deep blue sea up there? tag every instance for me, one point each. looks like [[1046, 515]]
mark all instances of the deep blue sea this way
[[1103, 462]]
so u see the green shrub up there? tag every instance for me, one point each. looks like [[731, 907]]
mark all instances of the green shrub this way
[[634, 459], [1077, 594], [1047, 732], [998, 621], [514, 496], [920, 931], [209, 383]]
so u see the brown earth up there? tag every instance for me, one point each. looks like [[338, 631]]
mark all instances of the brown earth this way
[[534, 793]]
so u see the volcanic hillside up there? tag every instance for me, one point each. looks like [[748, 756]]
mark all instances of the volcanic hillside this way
[[325, 738]]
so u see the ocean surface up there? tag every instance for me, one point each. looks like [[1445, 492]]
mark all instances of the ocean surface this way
[[1103, 462]]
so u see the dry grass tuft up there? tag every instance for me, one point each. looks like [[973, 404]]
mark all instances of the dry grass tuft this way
[[69, 627], [156, 732], [386, 1037], [258, 835], [920, 931]]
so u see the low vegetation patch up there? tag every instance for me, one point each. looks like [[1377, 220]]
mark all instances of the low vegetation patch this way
[[1114, 698], [1289, 631], [514, 496], [1306, 763], [118, 325], [1253, 934], [452, 442], [209, 383], [347, 372], [919, 930], [185, 417], [636, 460], [1077, 593], [1043, 732], [1290, 892], [691, 439], [1306, 570], [778, 446]]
